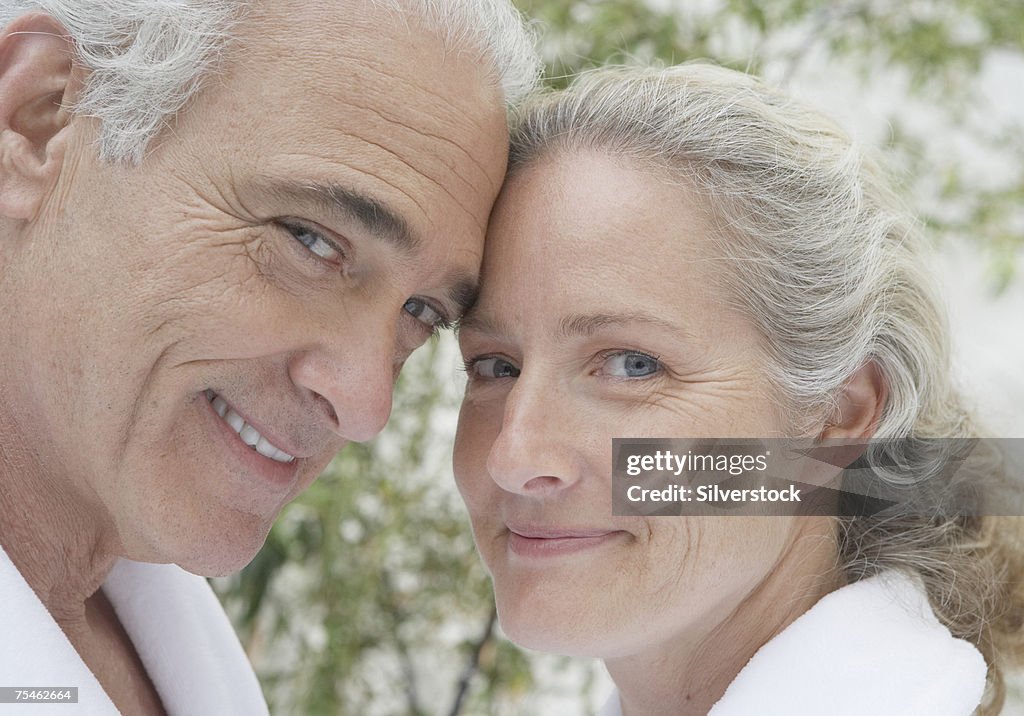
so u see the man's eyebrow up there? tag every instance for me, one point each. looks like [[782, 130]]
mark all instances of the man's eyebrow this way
[[375, 216], [463, 293]]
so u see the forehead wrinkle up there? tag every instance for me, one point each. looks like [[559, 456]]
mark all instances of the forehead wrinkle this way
[[434, 110], [439, 137], [480, 225]]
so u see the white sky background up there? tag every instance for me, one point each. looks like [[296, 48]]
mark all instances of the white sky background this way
[[987, 330]]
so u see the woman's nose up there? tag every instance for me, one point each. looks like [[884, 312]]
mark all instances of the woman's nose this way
[[534, 453]]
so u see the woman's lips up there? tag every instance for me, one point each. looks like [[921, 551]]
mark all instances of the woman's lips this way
[[542, 542]]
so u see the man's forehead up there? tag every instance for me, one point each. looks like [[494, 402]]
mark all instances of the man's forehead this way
[[333, 75], [355, 43]]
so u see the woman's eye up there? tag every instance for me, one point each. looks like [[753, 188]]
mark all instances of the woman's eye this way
[[631, 364], [426, 314], [491, 368], [315, 242]]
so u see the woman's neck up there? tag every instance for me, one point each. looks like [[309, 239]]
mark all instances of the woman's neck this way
[[686, 676]]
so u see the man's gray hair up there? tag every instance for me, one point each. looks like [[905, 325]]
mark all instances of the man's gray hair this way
[[146, 58]]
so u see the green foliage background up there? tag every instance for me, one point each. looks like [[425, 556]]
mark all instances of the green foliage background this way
[[368, 597]]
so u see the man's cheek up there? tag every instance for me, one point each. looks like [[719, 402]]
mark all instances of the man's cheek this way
[[213, 284]]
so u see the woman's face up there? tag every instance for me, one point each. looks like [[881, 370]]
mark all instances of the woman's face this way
[[600, 316]]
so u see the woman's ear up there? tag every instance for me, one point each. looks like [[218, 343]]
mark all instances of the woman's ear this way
[[860, 405], [35, 74]]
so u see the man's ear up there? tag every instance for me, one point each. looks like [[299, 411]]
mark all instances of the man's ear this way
[[35, 73], [860, 405]]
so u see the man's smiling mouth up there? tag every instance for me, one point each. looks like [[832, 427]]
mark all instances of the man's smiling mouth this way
[[249, 435]]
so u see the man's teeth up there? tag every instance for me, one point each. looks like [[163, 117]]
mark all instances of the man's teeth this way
[[250, 436]]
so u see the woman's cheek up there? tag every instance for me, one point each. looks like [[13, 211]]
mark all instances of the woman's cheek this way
[[473, 439]]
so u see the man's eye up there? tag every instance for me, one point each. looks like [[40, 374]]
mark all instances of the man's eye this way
[[315, 242], [631, 364], [426, 314], [491, 368]]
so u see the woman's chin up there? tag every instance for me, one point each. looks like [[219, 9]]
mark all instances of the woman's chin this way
[[547, 642], [552, 631]]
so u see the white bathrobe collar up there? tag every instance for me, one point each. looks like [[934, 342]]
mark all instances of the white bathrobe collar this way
[[178, 627], [872, 648]]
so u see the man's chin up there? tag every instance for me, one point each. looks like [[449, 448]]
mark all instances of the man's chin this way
[[208, 553], [219, 563]]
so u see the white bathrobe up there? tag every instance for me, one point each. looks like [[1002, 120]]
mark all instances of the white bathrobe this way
[[179, 630], [872, 648]]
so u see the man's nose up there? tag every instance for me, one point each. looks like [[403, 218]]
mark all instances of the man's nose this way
[[351, 379], [534, 453]]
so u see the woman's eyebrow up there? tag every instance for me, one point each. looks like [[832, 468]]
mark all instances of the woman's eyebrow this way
[[478, 322], [577, 325], [587, 324]]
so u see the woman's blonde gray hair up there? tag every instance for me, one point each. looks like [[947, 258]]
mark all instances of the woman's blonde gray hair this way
[[145, 59], [825, 260]]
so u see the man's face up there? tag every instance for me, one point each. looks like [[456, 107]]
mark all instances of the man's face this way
[[260, 278]]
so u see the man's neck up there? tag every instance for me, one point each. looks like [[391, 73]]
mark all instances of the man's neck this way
[[48, 532]]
